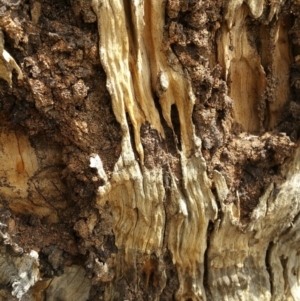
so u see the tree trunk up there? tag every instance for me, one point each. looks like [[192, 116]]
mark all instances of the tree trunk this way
[[149, 150]]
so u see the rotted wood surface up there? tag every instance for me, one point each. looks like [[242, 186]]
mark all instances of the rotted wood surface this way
[[150, 150]]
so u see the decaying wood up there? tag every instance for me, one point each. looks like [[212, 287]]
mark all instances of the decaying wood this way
[[170, 174]]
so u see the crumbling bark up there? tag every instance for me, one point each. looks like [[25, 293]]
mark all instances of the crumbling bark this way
[[149, 150]]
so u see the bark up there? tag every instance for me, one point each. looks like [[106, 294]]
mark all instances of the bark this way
[[149, 150]]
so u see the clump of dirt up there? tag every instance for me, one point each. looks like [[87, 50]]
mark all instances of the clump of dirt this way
[[60, 104], [250, 164], [63, 95], [191, 29], [161, 152], [290, 120], [172, 279], [153, 146]]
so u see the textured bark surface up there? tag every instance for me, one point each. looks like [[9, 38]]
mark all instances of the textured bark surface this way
[[149, 150]]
